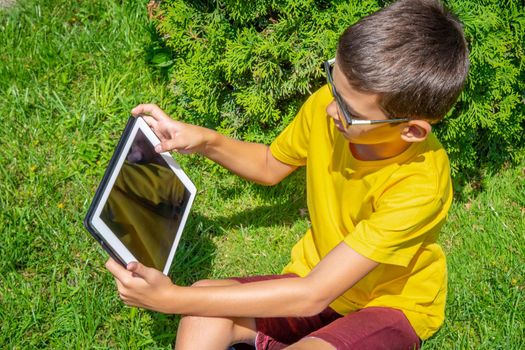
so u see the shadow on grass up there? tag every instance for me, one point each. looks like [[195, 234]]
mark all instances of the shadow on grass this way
[[282, 205]]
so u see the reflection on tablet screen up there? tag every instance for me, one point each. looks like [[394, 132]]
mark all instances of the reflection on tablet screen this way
[[145, 206]]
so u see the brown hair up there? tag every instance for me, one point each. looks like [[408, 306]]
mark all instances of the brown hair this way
[[412, 53]]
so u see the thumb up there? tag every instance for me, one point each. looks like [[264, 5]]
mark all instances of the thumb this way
[[165, 146], [137, 269], [168, 146]]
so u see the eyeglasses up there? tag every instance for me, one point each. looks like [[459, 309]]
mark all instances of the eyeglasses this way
[[348, 119]]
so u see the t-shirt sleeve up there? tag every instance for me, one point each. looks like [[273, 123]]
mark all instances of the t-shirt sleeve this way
[[291, 146], [407, 215]]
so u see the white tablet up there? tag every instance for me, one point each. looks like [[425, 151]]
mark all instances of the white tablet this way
[[140, 208]]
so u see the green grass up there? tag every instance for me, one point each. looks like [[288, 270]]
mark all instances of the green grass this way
[[69, 74], [484, 239]]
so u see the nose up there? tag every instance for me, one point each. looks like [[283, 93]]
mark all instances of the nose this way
[[332, 111]]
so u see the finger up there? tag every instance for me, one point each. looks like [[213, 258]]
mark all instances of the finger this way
[[139, 109], [159, 148], [116, 269], [120, 288], [166, 146], [173, 145], [152, 123], [109, 262], [149, 109], [139, 270]]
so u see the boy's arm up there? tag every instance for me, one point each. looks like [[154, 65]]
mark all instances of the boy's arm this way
[[252, 161], [337, 272]]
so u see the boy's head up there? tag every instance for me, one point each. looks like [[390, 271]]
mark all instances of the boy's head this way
[[412, 54]]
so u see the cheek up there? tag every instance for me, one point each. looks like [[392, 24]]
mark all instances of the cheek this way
[[362, 133], [371, 134]]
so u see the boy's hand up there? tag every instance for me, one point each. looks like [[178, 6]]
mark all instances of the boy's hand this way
[[142, 286], [252, 161], [174, 135]]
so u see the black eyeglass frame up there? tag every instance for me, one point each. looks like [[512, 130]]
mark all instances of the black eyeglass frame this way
[[347, 116]]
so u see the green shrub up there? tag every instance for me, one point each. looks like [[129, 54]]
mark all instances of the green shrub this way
[[244, 68], [487, 125]]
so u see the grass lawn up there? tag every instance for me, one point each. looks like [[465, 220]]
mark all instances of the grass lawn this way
[[70, 72]]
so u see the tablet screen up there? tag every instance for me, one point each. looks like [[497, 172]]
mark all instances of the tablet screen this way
[[142, 203], [145, 206]]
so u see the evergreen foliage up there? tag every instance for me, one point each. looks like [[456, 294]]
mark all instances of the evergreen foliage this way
[[244, 68]]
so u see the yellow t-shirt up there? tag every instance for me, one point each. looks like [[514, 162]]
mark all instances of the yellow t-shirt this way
[[389, 211]]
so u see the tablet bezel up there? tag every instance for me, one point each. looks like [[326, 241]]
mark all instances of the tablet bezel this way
[[93, 221]]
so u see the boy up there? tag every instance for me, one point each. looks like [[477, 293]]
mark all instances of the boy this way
[[368, 274]]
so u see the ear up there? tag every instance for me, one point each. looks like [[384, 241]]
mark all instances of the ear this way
[[416, 130]]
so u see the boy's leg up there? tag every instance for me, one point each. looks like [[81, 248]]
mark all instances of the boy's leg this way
[[370, 328], [277, 333], [310, 343], [214, 332]]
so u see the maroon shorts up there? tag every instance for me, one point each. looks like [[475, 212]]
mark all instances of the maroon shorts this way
[[366, 329]]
